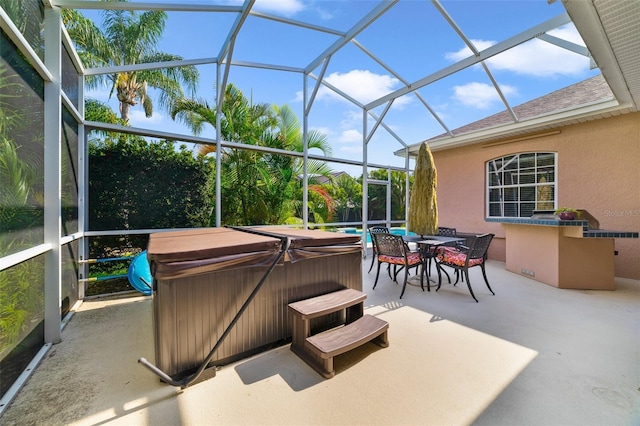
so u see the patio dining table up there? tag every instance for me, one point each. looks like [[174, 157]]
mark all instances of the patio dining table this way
[[425, 243]]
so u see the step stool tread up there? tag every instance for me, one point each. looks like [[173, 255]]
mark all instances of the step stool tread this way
[[327, 303], [343, 339]]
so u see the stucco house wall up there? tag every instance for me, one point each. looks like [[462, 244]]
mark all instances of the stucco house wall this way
[[598, 167]]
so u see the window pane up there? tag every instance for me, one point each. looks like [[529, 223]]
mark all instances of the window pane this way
[[494, 195], [495, 210], [545, 159], [527, 193], [494, 179], [544, 197], [527, 161], [510, 159], [511, 163], [511, 194], [526, 209], [528, 176], [511, 209], [510, 178], [545, 175], [527, 184]]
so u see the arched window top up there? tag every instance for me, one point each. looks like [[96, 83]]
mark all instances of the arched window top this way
[[519, 184]]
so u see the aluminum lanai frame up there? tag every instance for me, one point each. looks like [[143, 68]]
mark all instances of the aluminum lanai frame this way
[[595, 30], [225, 58]]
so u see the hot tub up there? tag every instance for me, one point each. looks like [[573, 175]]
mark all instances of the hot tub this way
[[204, 278]]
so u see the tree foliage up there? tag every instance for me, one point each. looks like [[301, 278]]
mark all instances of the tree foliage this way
[[346, 193], [28, 17], [378, 195], [134, 184], [127, 38], [21, 201], [260, 187]]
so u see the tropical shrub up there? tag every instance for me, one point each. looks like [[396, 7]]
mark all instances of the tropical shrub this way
[[134, 184]]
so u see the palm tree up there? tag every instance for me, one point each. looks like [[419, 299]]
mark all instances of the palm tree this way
[[257, 188], [398, 194], [378, 195], [347, 195], [288, 135], [129, 38], [243, 122]]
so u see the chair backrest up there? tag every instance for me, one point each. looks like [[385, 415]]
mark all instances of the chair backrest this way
[[377, 230], [389, 244], [447, 232], [479, 246]]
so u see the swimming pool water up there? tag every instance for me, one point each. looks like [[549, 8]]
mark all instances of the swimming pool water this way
[[397, 231]]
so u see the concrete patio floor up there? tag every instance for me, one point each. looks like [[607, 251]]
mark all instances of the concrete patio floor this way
[[530, 355]]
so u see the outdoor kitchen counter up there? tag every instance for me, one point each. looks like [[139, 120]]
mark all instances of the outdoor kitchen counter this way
[[561, 253]]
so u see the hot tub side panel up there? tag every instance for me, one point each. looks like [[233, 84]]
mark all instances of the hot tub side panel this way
[[191, 313]]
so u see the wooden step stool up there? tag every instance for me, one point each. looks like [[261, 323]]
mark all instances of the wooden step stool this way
[[319, 349]]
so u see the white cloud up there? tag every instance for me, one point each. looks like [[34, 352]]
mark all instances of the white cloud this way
[[101, 93], [362, 85], [285, 7], [324, 14], [138, 119], [535, 58], [480, 95], [569, 33], [350, 142], [350, 136], [466, 52], [324, 130], [351, 118]]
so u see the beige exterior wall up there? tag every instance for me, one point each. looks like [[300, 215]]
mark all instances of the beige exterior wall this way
[[598, 171], [559, 256]]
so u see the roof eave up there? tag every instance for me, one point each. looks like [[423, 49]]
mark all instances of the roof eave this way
[[588, 23], [538, 124]]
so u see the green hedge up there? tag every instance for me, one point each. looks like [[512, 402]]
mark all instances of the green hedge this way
[[134, 184]]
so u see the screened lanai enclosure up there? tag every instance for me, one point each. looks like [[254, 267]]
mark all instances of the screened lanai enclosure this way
[[124, 118]]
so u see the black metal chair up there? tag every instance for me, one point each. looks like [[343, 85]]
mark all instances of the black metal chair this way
[[374, 230], [461, 259], [391, 249], [429, 255], [447, 232]]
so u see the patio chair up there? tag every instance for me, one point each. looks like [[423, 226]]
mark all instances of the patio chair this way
[[373, 230], [391, 249], [461, 259], [429, 255]]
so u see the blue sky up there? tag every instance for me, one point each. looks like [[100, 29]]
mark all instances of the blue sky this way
[[412, 38]]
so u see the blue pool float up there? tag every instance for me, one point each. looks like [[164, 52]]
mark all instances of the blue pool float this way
[[139, 274]]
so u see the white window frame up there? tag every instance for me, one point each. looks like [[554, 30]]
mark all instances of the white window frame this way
[[510, 164]]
